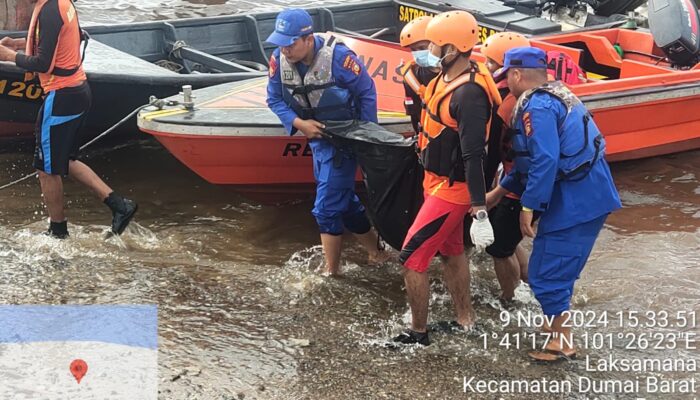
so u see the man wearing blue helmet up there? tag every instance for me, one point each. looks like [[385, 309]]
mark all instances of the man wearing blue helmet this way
[[315, 79], [560, 172]]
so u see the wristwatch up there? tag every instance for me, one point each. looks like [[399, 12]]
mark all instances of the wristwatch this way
[[481, 215]]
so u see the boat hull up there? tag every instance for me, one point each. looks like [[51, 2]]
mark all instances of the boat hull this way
[[649, 129], [246, 160], [286, 161]]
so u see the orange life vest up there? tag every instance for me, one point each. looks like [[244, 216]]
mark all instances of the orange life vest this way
[[409, 78], [439, 142], [66, 66], [505, 112]]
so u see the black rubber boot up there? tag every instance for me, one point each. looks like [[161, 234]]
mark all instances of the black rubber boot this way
[[123, 211], [58, 230]]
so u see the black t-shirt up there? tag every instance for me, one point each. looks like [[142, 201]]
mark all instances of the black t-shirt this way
[[471, 108]]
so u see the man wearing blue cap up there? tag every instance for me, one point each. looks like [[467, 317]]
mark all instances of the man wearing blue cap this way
[[560, 172], [315, 79]]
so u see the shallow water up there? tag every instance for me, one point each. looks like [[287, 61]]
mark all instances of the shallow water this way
[[244, 312], [243, 309], [95, 11]]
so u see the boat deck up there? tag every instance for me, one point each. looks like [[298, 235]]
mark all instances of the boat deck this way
[[233, 109], [103, 58]]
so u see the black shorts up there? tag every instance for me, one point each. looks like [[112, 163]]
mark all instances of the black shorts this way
[[505, 220], [58, 126]]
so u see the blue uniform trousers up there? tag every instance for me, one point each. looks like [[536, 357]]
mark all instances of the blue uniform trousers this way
[[557, 259], [337, 207]]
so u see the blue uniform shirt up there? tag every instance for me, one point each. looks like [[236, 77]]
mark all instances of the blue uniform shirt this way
[[542, 113], [358, 83], [564, 203]]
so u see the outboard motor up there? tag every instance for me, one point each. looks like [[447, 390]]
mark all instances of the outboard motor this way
[[675, 26]]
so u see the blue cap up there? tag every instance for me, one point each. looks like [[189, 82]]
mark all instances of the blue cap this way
[[522, 57], [291, 24]]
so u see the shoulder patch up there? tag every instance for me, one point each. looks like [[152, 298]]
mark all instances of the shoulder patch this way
[[273, 66], [350, 64], [527, 124]]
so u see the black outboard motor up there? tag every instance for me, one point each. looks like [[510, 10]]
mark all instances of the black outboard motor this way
[[675, 25], [602, 8]]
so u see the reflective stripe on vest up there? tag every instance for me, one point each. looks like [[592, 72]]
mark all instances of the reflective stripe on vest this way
[[439, 143], [317, 95], [409, 78]]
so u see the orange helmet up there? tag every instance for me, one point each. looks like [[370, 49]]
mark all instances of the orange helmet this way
[[495, 46], [414, 31], [458, 28]]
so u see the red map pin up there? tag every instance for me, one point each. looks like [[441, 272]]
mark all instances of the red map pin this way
[[78, 368]]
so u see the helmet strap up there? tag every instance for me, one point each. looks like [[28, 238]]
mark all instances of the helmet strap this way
[[446, 65]]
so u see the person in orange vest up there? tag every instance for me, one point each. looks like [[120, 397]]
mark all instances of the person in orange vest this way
[[52, 51], [416, 74], [455, 126], [510, 259]]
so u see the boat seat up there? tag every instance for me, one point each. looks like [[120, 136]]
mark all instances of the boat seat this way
[[598, 53], [633, 68], [601, 50]]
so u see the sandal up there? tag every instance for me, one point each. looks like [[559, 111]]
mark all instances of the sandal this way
[[551, 356]]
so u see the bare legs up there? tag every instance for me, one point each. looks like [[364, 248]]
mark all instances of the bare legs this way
[[52, 188], [457, 279], [83, 174], [332, 248], [332, 245]]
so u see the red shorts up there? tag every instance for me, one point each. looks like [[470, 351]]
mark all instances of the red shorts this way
[[438, 227]]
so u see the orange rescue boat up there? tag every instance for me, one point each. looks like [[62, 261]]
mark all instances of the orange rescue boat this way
[[644, 105]]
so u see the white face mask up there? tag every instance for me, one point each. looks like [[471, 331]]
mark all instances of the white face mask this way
[[421, 57], [435, 61]]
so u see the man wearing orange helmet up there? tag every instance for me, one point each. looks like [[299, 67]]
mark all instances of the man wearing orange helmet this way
[[416, 74], [509, 258], [455, 125]]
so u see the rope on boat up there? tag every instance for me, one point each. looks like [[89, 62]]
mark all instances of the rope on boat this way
[[176, 48], [153, 101], [169, 65]]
